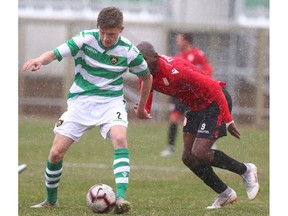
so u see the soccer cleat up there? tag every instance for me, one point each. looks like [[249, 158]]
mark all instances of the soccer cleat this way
[[251, 181], [46, 204], [21, 168], [168, 151], [228, 196], [122, 206]]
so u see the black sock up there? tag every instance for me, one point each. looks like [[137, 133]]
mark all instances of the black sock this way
[[172, 133], [209, 177], [223, 161]]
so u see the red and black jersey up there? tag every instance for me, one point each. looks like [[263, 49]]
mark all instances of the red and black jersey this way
[[198, 58], [179, 78]]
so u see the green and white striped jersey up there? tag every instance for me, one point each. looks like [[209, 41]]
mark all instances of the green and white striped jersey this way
[[99, 72]]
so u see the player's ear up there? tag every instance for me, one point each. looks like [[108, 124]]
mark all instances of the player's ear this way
[[155, 55], [121, 29]]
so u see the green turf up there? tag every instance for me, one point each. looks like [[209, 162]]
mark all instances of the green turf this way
[[158, 186]]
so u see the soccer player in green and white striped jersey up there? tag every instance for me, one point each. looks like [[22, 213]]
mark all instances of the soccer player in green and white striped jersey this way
[[101, 57]]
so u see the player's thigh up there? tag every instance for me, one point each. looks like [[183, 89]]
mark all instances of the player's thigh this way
[[118, 136], [188, 140], [61, 143], [60, 146]]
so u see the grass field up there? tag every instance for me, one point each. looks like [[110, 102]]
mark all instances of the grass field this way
[[158, 186]]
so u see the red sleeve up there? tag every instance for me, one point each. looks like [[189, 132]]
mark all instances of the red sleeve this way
[[148, 104], [223, 106]]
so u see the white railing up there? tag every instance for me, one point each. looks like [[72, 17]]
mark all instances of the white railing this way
[[134, 9]]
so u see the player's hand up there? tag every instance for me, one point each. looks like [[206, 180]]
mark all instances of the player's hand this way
[[33, 63], [233, 130], [141, 113]]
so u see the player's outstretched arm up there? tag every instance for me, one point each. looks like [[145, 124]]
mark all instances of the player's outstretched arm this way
[[139, 108], [233, 130], [35, 64]]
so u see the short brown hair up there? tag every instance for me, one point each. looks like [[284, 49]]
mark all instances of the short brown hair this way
[[110, 17]]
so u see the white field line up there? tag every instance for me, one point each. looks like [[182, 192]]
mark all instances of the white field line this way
[[146, 168], [143, 168], [105, 166]]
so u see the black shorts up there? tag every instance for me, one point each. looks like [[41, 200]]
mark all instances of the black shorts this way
[[177, 106], [204, 123]]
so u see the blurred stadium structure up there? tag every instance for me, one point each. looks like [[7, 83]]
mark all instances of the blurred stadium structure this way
[[233, 33]]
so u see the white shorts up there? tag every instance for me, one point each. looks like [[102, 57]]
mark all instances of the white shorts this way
[[83, 115]]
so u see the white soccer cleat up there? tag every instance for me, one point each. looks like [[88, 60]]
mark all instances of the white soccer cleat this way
[[168, 151], [251, 181], [46, 204], [122, 206], [229, 196], [21, 168]]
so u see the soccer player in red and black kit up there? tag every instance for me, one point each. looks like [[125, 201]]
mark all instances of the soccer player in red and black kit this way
[[196, 56], [209, 118]]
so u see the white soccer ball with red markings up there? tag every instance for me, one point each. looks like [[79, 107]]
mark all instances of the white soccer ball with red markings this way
[[101, 198]]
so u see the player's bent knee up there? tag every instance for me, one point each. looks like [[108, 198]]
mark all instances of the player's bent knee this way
[[120, 142], [188, 160], [203, 156], [56, 156]]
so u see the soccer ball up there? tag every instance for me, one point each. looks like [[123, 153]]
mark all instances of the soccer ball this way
[[101, 198]]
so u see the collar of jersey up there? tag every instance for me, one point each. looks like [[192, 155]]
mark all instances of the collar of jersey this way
[[110, 48]]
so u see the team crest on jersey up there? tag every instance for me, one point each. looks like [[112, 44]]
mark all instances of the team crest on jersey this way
[[114, 59], [59, 122]]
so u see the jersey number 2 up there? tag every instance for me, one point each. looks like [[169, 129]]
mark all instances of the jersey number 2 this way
[[119, 114]]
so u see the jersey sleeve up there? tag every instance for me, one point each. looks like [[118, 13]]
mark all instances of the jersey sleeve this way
[[62, 51], [71, 47], [137, 65], [223, 105]]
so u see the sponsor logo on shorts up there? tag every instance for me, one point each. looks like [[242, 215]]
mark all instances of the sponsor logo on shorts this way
[[203, 131], [119, 120]]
